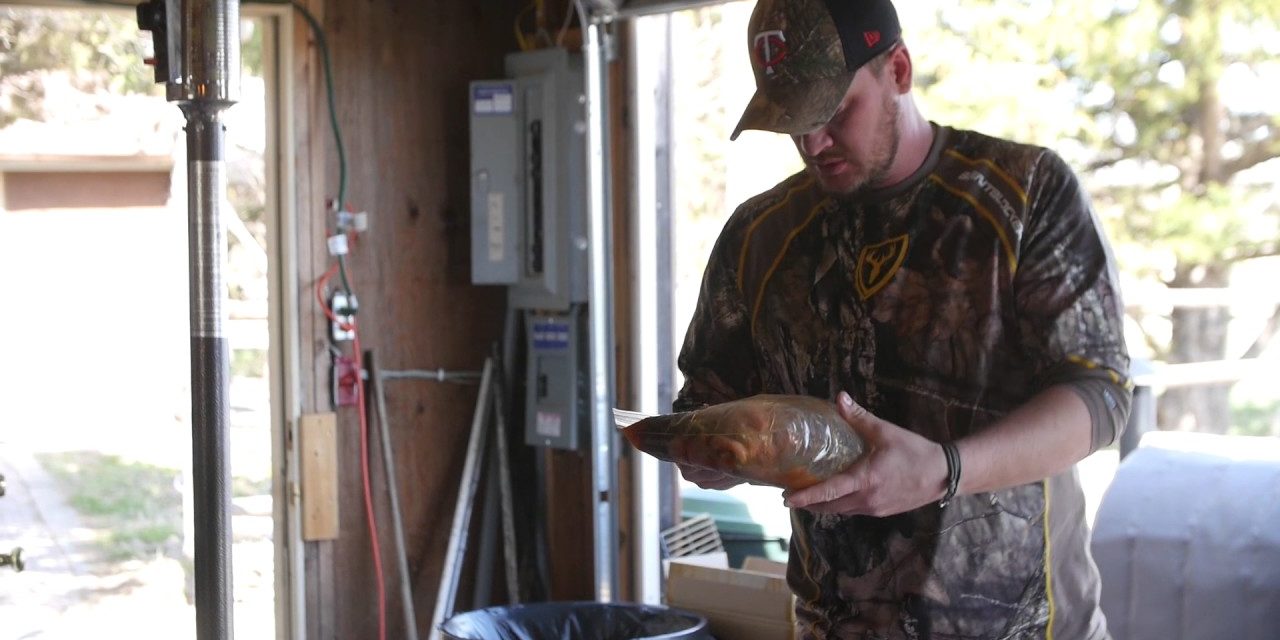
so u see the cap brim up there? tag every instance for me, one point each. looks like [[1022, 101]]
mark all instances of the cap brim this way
[[794, 109]]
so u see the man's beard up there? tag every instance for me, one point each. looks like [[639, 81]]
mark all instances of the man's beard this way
[[882, 155], [886, 152]]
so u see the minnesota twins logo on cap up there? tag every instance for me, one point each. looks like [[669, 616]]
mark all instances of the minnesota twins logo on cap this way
[[771, 49], [802, 76]]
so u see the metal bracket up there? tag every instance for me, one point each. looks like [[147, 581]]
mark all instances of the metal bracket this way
[[13, 559]]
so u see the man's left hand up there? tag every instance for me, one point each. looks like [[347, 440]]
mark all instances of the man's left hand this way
[[899, 471]]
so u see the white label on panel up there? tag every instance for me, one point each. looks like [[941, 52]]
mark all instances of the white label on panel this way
[[497, 226], [549, 425], [502, 103], [491, 99]]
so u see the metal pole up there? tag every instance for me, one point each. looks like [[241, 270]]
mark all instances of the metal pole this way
[[209, 374], [204, 79], [603, 468], [1142, 409], [643, 95], [663, 216], [482, 590], [397, 523], [503, 462], [436, 375], [459, 532]]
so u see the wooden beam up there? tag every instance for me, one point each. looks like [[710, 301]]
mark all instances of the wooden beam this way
[[1211, 372], [319, 472]]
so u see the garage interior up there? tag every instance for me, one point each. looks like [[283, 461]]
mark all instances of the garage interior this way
[[404, 102], [366, 389]]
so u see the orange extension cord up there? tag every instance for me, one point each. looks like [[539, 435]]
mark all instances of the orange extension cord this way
[[364, 454]]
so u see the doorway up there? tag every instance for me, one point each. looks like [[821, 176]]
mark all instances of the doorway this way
[[95, 418]]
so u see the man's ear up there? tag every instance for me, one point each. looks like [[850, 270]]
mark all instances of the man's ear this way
[[901, 67]]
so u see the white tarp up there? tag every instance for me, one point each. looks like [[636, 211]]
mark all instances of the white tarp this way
[[1187, 539]]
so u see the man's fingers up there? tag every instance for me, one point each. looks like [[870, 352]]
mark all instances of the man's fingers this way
[[837, 486], [863, 422], [848, 505]]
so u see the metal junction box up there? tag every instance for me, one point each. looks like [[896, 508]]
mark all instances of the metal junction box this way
[[528, 181], [556, 405]]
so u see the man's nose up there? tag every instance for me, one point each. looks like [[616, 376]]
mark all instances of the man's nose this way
[[814, 142]]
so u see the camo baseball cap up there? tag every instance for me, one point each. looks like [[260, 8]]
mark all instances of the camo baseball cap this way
[[804, 54]]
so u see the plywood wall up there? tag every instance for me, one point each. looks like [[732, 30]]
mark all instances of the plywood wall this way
[[401, 71]]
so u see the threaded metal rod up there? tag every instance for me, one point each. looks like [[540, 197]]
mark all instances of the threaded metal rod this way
[[209, 374], [204, 81]]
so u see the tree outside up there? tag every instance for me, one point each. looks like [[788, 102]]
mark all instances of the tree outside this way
[[1169, 110], [99, 52]]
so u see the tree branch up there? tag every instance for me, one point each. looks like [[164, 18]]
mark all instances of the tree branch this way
[[1109, 162], [1254, 154], [1264, 337], [1158, 351], [1249, 252]]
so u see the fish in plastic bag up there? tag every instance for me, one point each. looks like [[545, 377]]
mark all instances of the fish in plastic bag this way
[[785, 441]]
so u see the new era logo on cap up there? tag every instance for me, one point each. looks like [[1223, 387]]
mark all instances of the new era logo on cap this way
[[871, 37]]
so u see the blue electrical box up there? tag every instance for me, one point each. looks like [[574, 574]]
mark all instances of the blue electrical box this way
[[556, 405]]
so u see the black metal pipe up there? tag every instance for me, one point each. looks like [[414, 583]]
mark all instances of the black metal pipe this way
[[197, 56], [210, 440], [204, 81]]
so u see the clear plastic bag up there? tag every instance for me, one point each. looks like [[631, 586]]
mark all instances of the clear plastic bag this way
[[786, 441]]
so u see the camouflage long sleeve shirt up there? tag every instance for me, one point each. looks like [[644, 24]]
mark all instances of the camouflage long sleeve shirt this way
[[940, 304]]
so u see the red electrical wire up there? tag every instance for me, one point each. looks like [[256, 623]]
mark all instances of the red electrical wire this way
[[319, 289], [364, 453], [368, 497]]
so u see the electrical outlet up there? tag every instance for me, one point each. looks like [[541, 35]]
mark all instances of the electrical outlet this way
[[346, 381], [344, 309]]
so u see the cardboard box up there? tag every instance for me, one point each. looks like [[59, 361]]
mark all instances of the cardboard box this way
[[753, 603]]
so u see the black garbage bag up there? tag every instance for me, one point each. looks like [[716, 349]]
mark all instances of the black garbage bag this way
[[576, 621]]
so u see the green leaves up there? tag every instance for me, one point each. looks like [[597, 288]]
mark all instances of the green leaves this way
[[1159, 103], [99, 51]]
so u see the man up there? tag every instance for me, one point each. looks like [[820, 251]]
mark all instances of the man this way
[[954, 294]]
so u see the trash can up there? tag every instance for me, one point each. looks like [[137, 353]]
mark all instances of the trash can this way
[[576, 621]]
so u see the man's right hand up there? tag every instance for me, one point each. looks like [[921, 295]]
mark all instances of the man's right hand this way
[[706, 478]]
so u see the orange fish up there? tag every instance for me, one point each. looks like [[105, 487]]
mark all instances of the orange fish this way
[[791, 442]]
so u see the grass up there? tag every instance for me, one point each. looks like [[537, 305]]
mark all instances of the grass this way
[[249, 363], [1255, 419], [140, 542], [242, 487], [137, 507]]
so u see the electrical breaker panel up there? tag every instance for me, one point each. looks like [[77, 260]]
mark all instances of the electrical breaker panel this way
[[528, 185], [556, 406]]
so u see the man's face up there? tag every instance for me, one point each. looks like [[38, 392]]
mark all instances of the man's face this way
[[856, 148]]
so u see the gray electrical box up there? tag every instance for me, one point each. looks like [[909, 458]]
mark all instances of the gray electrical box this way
[[556, 406], [528, 181]]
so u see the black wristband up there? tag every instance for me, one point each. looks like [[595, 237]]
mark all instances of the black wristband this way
[[953, 471]]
